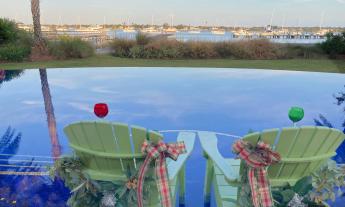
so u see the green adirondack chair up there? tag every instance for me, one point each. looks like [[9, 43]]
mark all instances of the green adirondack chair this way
[[303, 151], [106, 149]]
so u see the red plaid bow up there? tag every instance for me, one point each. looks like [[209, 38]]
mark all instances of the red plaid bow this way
[[158, 153], [257, 158]]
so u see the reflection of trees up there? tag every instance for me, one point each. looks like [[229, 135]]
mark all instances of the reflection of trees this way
[[322, 121], [341, 100], [9, 144], [48, 104], [10, 75], [25, 190]]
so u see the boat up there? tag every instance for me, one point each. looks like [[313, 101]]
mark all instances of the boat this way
[[218, 31]]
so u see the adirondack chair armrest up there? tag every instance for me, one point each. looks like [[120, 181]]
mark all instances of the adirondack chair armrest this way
[[208, 142], [174, 167]]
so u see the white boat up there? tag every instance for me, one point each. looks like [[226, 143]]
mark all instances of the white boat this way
[[194, 31], [150, 30], [217, 31], [129, 29], [170, 30]]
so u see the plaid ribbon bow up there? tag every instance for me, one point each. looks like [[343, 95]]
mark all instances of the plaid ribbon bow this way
[[257, 158], [158, 152]]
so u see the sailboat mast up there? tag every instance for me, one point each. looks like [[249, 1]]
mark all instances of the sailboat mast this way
[[172, 20], [79, 22], [152, 21], [322, 19], [60, 20], [272, 15]]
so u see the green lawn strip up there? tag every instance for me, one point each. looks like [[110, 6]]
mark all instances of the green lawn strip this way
[[317, 65]]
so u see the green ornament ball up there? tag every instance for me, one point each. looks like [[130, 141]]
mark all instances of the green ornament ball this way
[[296, 114]]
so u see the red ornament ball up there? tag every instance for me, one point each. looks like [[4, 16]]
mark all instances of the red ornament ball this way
[[101, 110]]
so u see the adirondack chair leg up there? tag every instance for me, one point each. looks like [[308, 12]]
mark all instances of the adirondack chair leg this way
[[208, 182], [182, 185]]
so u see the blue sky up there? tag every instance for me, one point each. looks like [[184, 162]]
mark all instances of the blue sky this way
[[193, 12]]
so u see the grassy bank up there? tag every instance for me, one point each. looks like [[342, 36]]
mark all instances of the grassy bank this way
[[317, 65]]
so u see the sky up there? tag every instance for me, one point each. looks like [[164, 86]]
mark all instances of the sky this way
[[189, 12]]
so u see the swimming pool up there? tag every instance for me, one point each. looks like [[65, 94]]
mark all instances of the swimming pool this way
[[224, 100]]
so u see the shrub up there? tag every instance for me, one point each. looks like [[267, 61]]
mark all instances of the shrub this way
[[163, 49], [153, 50], [200, 50], [15, 44], [248, 49], [302, 51], [142, 39], [68, 47], [8, 31], [224, 49], [263, 49], [25, 39], [136, 52], [121, 47], [13, 52], [255, 49], [334, 44]]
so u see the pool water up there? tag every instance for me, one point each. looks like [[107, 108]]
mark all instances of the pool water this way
[[233, 101]]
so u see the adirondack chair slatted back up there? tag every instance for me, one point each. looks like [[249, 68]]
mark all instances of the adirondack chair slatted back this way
[[303, 150], [108, 149]]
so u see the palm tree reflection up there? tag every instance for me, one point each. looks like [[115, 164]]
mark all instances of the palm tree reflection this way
[[48, 105]]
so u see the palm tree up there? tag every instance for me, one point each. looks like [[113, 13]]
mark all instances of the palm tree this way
[[40, 46], [48, 105]]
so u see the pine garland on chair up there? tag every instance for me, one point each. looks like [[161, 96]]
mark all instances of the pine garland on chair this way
[[91, 193], [255, 183]]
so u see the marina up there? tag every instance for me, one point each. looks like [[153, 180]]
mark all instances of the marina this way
[[99, 35]]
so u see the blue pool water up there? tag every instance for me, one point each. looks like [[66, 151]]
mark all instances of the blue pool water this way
[[224, 100]]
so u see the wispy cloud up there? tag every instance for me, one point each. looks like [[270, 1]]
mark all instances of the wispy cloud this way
[[100, 89], [81, 106], [63, 83], [245, 74], [32, 102]]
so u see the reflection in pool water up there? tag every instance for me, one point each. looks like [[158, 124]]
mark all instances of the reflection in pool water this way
[[232, 101]]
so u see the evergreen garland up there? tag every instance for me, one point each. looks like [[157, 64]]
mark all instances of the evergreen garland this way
[[92, 193]]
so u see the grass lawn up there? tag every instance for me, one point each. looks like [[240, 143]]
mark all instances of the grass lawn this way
[[318, 65]]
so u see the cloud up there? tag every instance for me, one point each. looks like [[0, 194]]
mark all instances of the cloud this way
[[100, 89], [341, 1], [245, 74], [81, 106], [63, 83], [32, 102]]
